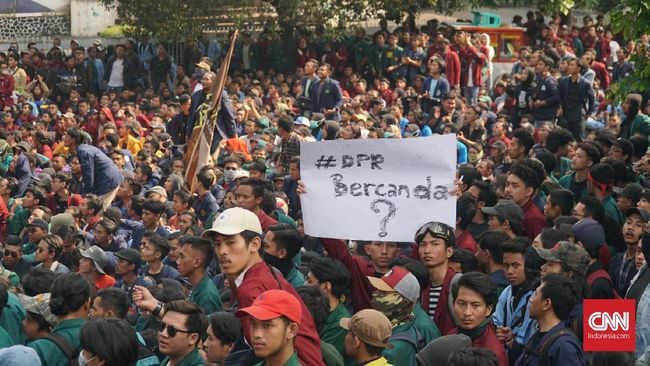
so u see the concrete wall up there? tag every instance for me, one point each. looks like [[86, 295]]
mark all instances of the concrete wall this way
[[88, 17]]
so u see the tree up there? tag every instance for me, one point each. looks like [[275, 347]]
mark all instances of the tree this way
[[631, 17]]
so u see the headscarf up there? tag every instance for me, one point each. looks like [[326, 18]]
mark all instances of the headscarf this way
[[4, 148], [109, 114], [177, 183], [236, 145], [634, 101]]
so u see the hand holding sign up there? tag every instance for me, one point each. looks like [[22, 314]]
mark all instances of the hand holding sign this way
[[377, 189]]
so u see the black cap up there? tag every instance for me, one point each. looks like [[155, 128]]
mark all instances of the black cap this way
[[39, 223], [645, 215], [632, 191], [625, 145], [130, 255]]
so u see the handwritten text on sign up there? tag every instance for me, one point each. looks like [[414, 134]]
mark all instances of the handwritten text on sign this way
[[377, 189]]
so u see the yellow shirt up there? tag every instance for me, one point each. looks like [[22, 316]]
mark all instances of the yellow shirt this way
[[131, 143], [381, 361]]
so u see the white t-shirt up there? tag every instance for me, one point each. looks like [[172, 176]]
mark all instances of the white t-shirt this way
[[117, 74]]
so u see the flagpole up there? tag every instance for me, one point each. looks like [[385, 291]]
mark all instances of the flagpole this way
[[212, 115]]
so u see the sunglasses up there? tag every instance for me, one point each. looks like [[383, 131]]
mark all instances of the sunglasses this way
[[9, 253], [171, 330]]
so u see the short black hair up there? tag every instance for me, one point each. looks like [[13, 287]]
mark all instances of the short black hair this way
[[526, 174], [39, 194], [69, 292], [94, 203], [153, 206], [465, 210], [593, 153], [524, 138], [547, 159], [318, 304], [256, 184], [331, 270], [114, 299], [285, 123], [145, 170], [563, 293], [491, 241], [487, 193], [37, 281], [137, 204], [563, 198], [514, 246], [113, 340], [257, 166], [225, 326], [480, 283], [206, 178], [184, 195], [551, 236], [593, 208], [201, 245], [134, 186], [466, 259], [288, 238], [196, 321], [557, 138], [416, 267]]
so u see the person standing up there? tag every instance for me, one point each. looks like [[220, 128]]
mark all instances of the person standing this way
[[577, 100], [327, 97]]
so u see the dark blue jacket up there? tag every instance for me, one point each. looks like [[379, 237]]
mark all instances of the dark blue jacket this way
[[23, 173], [565, 350], [586, 94], [138, 234], [100, 174], [204, 206], [330, 97], [441, 90], [547, 90]]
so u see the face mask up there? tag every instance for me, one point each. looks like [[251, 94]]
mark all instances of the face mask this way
[[283, 265], [82, 359], [229, 176], [474, 157]]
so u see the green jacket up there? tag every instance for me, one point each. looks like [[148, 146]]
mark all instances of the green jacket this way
[[425, 324], [12, 319], [296, 278], [562, 168], [14, 280], [191, 359], [403, 352], [293, 361], [206, 295], [49, 353], [331, 356], [17, 222], [640, 125], [611, 209], [333, 334], [5, 339]]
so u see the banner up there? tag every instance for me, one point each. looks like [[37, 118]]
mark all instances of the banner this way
[[199, 143], [381, 189]]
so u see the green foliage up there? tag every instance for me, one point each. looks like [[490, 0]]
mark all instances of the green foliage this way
[[631, 17]]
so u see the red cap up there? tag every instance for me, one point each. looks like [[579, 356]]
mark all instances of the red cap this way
[[273, 304]]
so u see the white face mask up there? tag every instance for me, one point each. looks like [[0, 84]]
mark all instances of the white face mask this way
[[82, 359], [229, 176]]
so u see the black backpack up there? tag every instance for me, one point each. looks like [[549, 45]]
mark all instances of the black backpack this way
[[541, 353], [418, 343], [69, 351]]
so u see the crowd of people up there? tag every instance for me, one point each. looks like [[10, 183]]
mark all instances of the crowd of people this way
[[112, 256]]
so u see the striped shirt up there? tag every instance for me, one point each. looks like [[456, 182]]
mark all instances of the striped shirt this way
[[434, 294]]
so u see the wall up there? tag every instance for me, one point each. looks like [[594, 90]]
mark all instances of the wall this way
[[88, 17], [33, 28]]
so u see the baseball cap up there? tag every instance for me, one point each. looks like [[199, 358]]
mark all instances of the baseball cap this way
[[590, 233], [626, 146], [506, 209], [97, 255], [573, 255], [632, 191], [24, 145], [19, 356], [302, 121], [43, 180], [69, 115], [241, 173], [398, 280], [39, 304], [634, 210], [499, 145], [62, 219], [371, 326], [234, 221], [130, 255], [273, 304], [40, 223], [157, 189]]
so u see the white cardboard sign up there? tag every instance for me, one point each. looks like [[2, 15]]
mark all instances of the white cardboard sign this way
[[381, 189]]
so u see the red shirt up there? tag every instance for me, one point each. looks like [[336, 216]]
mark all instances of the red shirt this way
[[534, 221], [260, 278], [265, 220], [488, 340], [466, 241], [104, 281]]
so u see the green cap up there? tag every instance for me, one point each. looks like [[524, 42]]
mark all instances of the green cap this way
[[573, 255]]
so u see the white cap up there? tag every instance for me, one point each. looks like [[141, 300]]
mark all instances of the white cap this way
[[235, 221]]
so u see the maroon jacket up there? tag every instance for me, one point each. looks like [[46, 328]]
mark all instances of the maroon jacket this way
[[260, 278], [534, 221], [469, 54], [360, 288], [452, 68], [489, 341], [442, 318], [602, 74]]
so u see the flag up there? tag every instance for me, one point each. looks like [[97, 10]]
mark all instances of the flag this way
[[198, 146]]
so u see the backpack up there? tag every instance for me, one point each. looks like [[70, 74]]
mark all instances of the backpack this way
[[69, 351], [601, 273], [418, 343], [542, 353]]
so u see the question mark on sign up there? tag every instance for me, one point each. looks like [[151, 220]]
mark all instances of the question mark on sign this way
[[391, 213]]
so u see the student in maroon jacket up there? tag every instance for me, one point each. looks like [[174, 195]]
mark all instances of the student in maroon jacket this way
[[237, 235], [380, 253], [436, 243], [475, 296]]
